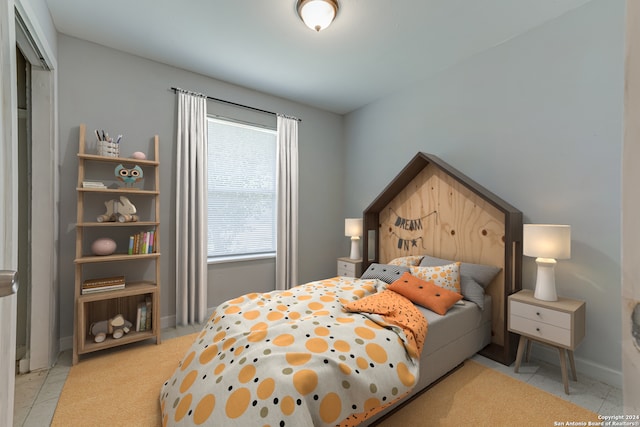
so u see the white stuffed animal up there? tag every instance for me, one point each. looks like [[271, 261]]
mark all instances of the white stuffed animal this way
[[119, 210], [116, 327]]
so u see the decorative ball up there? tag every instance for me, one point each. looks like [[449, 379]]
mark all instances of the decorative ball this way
[[139, 155], [103, 246]]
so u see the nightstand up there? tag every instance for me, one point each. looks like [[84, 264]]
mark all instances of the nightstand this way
[[560, 324], [349, 267]]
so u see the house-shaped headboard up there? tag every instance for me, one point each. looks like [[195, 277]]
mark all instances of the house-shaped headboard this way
[[431, 208]]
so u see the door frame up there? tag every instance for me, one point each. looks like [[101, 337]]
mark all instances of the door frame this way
[[46, 289], [8, 202], [44, 342]]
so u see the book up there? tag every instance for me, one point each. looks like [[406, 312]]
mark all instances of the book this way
[[142, 243], [93, 184], [145, 243], [102, 289], [103, 282], [103, 285], [148, 304], [143, 317], [138, 316]]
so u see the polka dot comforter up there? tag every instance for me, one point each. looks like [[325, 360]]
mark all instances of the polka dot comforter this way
[[292, 358]]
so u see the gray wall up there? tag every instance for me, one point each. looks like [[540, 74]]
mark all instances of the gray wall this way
[[537, 120], [121, 93]]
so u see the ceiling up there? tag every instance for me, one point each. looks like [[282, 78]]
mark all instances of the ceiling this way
[[373, 48]]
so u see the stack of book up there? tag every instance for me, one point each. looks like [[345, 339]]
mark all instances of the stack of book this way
[[93, 184], [142, 243], [143, 319], [102, 285]]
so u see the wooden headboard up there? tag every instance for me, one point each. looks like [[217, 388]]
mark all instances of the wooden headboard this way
[[431, 208]]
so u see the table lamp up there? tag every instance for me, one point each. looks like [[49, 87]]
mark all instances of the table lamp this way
[[546, 242], [353, 229]]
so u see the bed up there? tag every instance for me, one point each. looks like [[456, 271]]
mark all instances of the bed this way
[[347, 351]]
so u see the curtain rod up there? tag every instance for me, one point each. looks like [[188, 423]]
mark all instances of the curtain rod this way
[[235, 104]]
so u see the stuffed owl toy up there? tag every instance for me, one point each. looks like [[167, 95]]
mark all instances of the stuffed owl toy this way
[[129, 176]]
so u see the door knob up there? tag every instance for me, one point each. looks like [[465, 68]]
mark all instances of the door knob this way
[[8, 282]]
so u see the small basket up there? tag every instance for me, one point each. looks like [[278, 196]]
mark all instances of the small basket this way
[[108, 149]]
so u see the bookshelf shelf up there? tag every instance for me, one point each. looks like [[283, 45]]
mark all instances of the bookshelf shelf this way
[[117, 190], [91, 308], [131, 289], [133, 336], [115, 160], [115, 257], [119, 224]]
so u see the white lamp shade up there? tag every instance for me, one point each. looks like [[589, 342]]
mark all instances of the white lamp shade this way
[[317, 14], [353, 227], [547, 241]]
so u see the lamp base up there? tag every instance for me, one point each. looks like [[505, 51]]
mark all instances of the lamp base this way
[[545, 280], [355, 248]]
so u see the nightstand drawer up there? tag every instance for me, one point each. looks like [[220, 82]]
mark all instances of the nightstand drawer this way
[[540, 314], [346, 269], [349, 268], [540, 330]]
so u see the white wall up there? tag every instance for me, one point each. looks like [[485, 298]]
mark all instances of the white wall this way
[[122, 93], [538, 121]]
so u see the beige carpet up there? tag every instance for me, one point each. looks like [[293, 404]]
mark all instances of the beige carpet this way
[[475, 395], [121, 388]]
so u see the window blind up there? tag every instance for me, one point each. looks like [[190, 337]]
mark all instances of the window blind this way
[[241, 189]]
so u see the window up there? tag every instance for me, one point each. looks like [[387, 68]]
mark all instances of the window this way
[[241, 190]]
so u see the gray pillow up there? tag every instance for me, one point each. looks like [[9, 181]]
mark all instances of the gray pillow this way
[[472, 291], [482, 274], [385, 272], [474, 278]]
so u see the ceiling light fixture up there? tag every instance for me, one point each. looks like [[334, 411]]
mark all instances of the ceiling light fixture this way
[[317, 14]]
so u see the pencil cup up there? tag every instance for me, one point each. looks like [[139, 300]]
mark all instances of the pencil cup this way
[[108, 149]]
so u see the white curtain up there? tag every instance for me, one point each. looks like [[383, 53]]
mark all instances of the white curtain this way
[[287, 190], [191, 209]]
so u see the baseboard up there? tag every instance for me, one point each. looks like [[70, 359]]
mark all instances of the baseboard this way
[[168, 322], [583, 366], [66, 343]]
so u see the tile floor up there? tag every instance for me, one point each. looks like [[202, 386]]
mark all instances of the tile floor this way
[[37, 393]]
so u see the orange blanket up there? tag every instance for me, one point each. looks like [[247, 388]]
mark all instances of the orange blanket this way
[[397, 310]]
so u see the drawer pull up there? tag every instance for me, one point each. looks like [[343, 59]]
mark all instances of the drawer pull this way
[[537, 329], [537, 313]]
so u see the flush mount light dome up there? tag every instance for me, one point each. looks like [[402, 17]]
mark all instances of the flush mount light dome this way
[[317, 14]]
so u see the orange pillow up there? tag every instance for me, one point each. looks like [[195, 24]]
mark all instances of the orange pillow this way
[[427, 294]]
